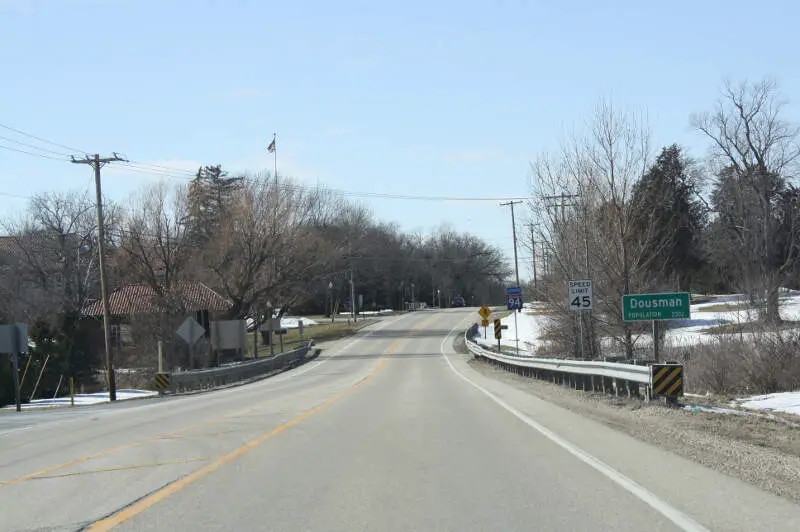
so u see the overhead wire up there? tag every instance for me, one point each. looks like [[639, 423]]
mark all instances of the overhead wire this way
[[43, 156], [40, 139], [28, 145], [187, 175]]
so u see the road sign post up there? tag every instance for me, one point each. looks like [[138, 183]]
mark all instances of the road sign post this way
[[190, 331], [514, 298], [514, 304], [13, 341], [580, 295], [655, 308], [484, 324], [498, 333]]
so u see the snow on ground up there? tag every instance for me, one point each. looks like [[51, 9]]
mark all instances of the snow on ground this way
[[681, 333], [369, 312], [788, 402], [529, 327], [292, 322], [84, 399], [694, 331], [288, 322]]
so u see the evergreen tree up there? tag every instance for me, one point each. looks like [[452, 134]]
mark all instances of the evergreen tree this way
[[666, 197], [210, 194], [739, 247]]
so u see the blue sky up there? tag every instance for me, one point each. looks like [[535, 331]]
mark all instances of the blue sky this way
[[428, 98]]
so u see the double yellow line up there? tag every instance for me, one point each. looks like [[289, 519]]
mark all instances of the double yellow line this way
[[143, 504]]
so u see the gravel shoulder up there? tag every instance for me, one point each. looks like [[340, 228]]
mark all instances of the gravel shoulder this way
[[762, 452]]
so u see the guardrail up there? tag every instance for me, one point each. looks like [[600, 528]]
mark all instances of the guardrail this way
[[206, 379], [610, 377]]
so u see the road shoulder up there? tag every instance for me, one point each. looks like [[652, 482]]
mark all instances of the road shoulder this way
[[718, 500]]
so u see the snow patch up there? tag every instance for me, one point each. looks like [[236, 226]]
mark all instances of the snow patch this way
[[84, 399], [528, 329], [788, 402]]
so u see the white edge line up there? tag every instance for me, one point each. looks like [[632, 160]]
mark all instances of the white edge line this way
[[683, 521], [19, 429]]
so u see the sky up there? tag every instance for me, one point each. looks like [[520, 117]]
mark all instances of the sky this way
[[438, 98]]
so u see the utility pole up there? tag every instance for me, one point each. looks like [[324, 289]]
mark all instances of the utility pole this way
[[516, 262], [561, 200], [533, 258], [97, 162], [514, 232], [353, 295]]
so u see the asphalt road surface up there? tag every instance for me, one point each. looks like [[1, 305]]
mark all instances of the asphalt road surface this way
[[388, 430]]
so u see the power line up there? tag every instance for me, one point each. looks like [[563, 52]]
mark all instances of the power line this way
[[15, 196], [35, 147], [63, 159], [188, 175], [40, 139]]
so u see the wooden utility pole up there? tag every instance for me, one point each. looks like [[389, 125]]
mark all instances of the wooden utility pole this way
[[514, 232], [97, 162], [533, 261], [516, 268], [561, 201]]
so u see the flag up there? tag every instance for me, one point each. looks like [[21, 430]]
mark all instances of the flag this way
[[271, 147]]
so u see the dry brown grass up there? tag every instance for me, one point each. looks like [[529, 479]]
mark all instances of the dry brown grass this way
[[729, 364]]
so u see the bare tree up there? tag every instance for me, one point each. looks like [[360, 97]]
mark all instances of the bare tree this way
[[594, 228], [154, 244], [268, 247], [750, 137], [52, 263]]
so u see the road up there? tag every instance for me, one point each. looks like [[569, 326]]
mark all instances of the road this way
[[388, 430]]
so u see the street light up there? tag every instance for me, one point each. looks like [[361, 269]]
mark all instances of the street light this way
[[269, 328], [330, 298], [439, 295]]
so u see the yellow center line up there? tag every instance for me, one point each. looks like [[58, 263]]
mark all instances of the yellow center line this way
[[130, 445], [157, 437], [141, 505], [125, 468]]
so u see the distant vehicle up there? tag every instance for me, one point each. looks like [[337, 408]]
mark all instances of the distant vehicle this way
[[458, 301]]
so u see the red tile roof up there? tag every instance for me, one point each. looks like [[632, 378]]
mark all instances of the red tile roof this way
[[142, 299]]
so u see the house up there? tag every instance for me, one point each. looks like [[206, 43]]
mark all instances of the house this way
[[142, 314]]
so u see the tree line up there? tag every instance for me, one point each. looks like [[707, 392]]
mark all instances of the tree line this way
[[608, 208], [257, 241]]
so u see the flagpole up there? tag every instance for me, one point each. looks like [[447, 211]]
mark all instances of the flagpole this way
[[275, 158]]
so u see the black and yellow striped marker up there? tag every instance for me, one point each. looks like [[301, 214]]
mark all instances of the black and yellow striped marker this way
[[497, 329], [667, 379], [162, 381]]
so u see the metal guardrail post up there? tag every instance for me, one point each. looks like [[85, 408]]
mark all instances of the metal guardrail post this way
[[611, 377], [204, 379]]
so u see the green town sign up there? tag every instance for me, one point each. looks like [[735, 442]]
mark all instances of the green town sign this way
[[648, 307]]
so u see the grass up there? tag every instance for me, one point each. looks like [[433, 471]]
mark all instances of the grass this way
[[722, 307], [752, 326], [538, 312], [696, 300], [319, 333]]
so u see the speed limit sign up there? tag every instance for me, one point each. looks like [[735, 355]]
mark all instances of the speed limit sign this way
[[580, 295]]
